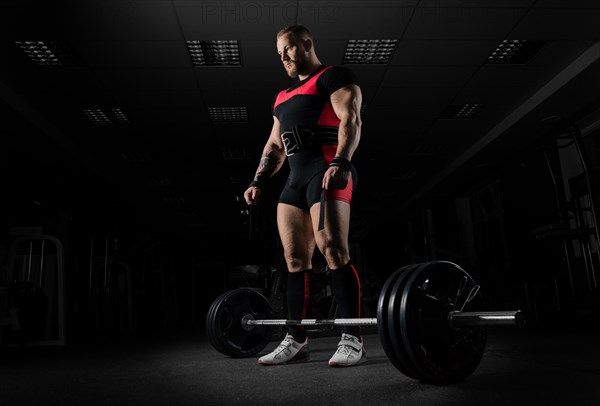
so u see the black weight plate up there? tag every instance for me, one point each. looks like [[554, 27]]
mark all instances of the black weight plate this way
[[440, 353], [382, 319], [386, 325], [395, 310], [211, 324], [224, 323]]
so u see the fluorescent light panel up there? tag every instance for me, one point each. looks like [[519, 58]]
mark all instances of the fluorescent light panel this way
[[135, 157], [97, 117], [49, 53], [233, 154], [461, 111], [228, 114], [108, 117], [174, 199], [120, 116], [425, 149], [369, 51], [159, 181], [515, 51], [214, 53], [187, 213]]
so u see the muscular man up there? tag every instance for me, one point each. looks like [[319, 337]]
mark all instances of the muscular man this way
[[316, 126]]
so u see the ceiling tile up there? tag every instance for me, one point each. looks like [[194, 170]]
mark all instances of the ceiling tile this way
[[442, 52], [368, 75], [477, 3], [241, 20], [510, 76], [567, 4], [427, 76], [155, 79], [261, 54], [559, 24], [165, 118], [119, 20], [135, 54], [560, 53], [232, 80], [463, 23], [29, 20], [415, 95], [61, 80], [491, 95], [155, 99], [379, 123], [347, 22], [406, 112]]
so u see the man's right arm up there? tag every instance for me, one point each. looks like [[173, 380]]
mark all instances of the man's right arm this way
[[271, 161]]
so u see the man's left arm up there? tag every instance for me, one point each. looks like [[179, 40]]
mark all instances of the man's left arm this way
[[346, 103]]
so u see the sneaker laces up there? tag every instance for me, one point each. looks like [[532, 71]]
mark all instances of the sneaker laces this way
[[285, 344], [344, 349]]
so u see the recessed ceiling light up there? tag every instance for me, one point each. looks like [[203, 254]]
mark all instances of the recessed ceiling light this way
[[49, 53], [120, 116], [135, 157], [363, 109], [174, 199], [159, 181], [407, 175], [460, 111], [515, 51], [425, 149], [97, 117], [235, 153], [369, 51], [214, 53], [108, 117], [228, 114]]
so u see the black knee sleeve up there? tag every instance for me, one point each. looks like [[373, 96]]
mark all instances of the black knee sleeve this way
[[346, 288], [299, 285]]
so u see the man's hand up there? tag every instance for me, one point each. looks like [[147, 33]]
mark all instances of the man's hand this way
[[252, 195], [336, 177]]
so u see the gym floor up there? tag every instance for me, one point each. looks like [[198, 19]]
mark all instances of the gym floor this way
[[543, 366]]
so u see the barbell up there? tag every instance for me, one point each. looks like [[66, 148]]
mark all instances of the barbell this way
[[429, 320]]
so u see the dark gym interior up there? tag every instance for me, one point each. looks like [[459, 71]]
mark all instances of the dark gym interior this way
[[126, 143]]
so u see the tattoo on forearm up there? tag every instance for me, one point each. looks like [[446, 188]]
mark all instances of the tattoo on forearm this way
[[266, 167]]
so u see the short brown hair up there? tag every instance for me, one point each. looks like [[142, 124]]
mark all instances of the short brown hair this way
[[297, 31]]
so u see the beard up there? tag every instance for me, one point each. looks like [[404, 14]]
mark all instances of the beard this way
[[296, 67]]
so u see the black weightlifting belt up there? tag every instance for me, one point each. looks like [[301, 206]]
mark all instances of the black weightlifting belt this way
[[301, 138]]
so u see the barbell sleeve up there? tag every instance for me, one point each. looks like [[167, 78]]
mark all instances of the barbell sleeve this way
[[486, 319], [455, 319]]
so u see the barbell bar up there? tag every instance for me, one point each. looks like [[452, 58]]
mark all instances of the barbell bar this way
[[456, 319], [429, 320]]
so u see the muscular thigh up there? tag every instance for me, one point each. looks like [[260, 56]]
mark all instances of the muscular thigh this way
[[297, 237], [335, 233]]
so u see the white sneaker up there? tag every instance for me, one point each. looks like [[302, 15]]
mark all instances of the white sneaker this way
[[288, 351], [349, 352]]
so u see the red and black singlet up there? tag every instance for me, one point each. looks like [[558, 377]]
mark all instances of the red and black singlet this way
[[307, 105], [307, 102]]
